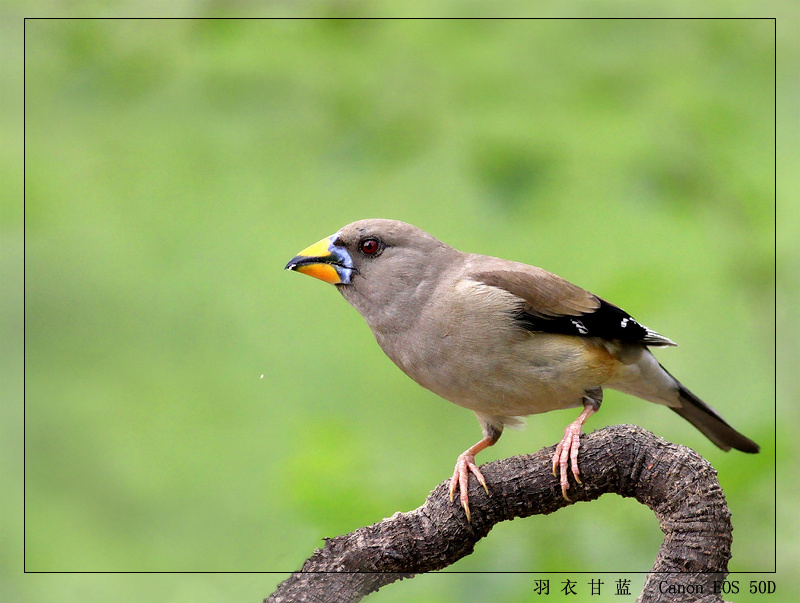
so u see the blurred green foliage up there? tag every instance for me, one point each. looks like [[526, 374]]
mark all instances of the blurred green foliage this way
[[191, 407]]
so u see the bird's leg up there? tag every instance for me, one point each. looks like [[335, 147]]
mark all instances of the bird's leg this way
[[567, 449], [465, 464]]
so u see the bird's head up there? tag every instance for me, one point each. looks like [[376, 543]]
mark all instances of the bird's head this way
[[375, 263]]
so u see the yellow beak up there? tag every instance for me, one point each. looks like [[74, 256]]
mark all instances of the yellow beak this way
[[324, 260]]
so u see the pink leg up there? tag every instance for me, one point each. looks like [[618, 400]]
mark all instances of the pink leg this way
[[567, 449], [465, 464]]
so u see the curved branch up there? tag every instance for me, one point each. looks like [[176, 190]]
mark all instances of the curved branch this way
[[675, 482]]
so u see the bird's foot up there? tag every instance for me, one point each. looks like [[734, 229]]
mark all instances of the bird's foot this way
[[567, 453], [465, 464], [567, 449]]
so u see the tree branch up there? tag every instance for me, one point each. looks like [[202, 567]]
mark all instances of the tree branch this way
[[675, 482]]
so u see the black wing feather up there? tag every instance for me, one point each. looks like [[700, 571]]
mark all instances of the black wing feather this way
[[607, 322]]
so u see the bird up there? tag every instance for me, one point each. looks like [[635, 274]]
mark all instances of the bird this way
[[499, 337]]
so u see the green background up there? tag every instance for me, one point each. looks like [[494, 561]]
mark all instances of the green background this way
[[190, 407]]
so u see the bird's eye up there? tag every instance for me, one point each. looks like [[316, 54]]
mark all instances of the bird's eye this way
[[369, 246]]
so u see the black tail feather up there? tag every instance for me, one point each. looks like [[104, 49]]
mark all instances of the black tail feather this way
[[713, 426]]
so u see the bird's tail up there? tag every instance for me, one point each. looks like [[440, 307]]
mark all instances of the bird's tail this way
[[708, 421]]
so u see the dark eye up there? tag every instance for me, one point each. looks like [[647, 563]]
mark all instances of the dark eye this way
[[369, 246]]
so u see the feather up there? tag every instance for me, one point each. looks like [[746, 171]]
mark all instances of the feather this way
[[550, 304]]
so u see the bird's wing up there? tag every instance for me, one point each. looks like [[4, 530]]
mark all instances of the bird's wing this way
[[551, 304]]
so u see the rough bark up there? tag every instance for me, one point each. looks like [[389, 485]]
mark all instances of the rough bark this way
[[675, 482]]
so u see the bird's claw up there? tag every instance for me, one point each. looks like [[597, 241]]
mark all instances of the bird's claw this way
[[465, 464], [567, 454]]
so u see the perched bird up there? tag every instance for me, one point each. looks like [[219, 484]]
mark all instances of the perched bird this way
[[501, 338]]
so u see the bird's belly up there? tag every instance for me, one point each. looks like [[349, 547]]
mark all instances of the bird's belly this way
[[530, 374]]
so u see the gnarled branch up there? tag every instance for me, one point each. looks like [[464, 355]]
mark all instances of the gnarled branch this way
[[675, 482]]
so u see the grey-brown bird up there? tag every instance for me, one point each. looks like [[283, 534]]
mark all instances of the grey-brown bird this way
[[501, 338]]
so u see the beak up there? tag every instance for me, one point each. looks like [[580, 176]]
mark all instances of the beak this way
[[324, 260]]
